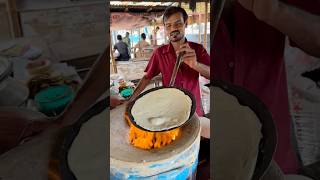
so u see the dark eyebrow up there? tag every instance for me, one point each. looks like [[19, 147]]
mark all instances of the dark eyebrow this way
[[174, 22]]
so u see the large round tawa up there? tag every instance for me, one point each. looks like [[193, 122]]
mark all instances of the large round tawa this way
[[122, 150], [84, 153], [222, 131]]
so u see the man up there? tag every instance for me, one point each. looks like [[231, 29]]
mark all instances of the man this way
[[126, 40], [248, 51], [115, 101], [122, 49], [195, 60], [140, 45], [155, 31]]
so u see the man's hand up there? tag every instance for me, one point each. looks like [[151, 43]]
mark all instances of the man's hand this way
[[115, 101], [189, 57], [262, 9], [300, 26]]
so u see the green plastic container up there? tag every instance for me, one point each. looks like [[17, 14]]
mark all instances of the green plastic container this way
[[127, 92], [53, 100]]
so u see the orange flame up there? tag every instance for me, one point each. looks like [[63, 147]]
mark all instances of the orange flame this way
[[149, 140]]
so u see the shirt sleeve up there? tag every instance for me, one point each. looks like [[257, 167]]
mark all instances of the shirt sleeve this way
[[202, 56], [153, 68], [311, 6]]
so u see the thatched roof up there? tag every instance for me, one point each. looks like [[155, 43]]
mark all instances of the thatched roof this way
[[135, 14]]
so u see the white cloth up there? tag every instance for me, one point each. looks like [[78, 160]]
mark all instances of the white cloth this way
[[205, 127], [304, 99]]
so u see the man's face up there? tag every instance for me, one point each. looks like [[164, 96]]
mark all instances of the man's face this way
[[175, 27]]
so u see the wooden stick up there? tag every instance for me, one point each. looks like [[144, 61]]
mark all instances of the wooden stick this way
[[205, 25]]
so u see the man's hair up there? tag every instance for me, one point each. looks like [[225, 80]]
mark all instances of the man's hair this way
[[172, 10], [127, 33], [143, 36], [119, 37]]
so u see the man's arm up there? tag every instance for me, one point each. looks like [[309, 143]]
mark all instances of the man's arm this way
[[203, 69], [151, 70], [302, 27], [141, 86], [190, 59], [114, 101], [114, 48]]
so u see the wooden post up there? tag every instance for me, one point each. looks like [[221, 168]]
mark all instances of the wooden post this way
[[192, 28], [199, 25], [165, 37], [113, 62], [14, 18], [139, 34], [153, 35], [205, 25], [131, 42], [139, 41]]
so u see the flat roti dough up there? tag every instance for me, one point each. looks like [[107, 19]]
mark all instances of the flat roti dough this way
[[236, 137], [87, 156], [162, 109]]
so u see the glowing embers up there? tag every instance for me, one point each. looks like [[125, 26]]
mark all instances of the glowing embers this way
[[149, 140]]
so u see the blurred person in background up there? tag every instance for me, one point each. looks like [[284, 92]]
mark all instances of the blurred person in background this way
[[122, 48], [140, 45]]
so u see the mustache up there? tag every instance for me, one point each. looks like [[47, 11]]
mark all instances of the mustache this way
[[175, 33]]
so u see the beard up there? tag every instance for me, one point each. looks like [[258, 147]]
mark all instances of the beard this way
[[176, 36]]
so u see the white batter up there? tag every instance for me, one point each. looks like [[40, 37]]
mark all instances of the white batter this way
[[162, 109]]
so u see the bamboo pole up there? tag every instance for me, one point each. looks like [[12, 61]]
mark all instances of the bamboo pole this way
[[139, 34], [14, 19], [131, 42], [113, 62], [199, 25], [205, 25], [165, 38]]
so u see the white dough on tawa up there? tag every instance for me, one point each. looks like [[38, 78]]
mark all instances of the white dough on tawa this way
[[87, 156], [236, 137], [162, 109]]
